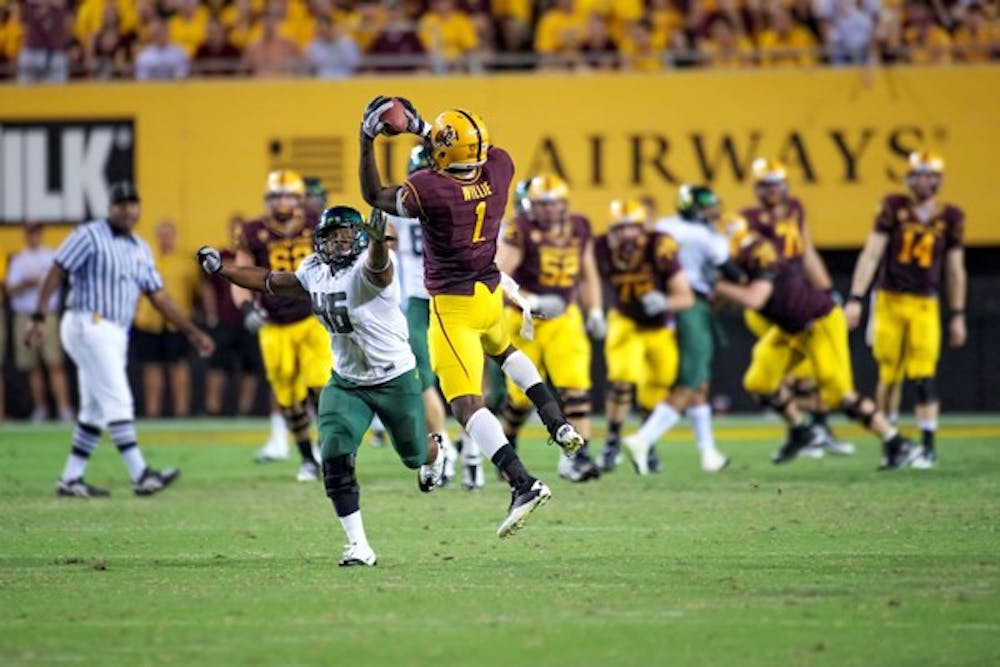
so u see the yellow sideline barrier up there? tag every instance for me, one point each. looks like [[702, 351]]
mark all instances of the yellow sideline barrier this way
[[202, 149]]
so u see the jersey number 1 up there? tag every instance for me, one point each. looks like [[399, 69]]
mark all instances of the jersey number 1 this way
[[477, 233]]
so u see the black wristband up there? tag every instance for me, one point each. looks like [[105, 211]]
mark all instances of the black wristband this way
[[856, 297], [958, 313], [246, 307], [38, 316]]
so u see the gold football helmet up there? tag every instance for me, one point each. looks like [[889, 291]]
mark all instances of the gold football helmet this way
[[628, 212], [924, 174], [926, 162], [459, 141], [282, 185], [548, 196], [770, 180]]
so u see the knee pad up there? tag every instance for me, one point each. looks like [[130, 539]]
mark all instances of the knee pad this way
[[341, 484], [515, 415], [860, 409], [925, 390], [575, 402], [621, 392], [803, 388], [779, 400], [296, 417]]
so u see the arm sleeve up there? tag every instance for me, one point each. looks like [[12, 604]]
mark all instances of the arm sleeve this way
[[149, 278], [75, 250], [408, 201], [884, 217]]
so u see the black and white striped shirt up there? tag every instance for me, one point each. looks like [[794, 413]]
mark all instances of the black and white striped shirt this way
[[108, 271]]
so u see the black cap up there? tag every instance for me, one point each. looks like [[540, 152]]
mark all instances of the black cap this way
[[122, 191]]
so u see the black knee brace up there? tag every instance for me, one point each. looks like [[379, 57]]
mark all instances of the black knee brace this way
[[779, 400], [575, 403], [803, 388], [621, 392], [296, 417], [341, 484], [925, 390], [860, 409]]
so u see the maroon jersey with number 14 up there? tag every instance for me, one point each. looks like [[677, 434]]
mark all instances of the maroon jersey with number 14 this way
[[914, 257], [279, 246], [460, 222]]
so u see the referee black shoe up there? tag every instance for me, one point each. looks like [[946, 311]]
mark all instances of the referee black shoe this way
[[77, 488], [154, 481]]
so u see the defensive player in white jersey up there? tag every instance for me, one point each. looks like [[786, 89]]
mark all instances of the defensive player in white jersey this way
[[350, 279], [410, 247], [702, 250]]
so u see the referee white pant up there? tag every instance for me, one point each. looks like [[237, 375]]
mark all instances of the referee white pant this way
[[99, 348]]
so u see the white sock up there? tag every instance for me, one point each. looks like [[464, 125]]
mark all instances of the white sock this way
[[662, 419], [446, 441], [521, 371], [470, 449], [279, 431], [927, 424], [377, 424], [75, 467], [134, 461], [893, 418], [486, 431], [892, 433], [355, 528], [701, 422]]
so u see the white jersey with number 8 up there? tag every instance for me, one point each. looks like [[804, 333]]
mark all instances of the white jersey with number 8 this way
[[411, 256]]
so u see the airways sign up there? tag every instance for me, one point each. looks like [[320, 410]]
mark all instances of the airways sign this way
[[59, 171]]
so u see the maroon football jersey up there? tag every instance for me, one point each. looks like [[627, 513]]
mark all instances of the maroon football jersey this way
[[784, 225], [914, 257], [794, 303], [460, 222], [551, 258], [632, 271], [279, 247]]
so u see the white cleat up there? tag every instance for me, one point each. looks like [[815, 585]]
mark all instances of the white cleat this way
[[450, 458], [836, 447], [358, 554], [638, 451], [568, 438], [273, 450], [429, 475], [308, 472], [712, 460], [521, 506]]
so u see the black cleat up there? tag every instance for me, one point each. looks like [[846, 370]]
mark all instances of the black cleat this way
[[801, 439], [77, 488], [654, 460], [578, 468], [522, 503], [899, 453], [154, 481]]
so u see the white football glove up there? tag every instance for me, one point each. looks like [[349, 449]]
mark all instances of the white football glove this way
[[375, 225], [654, 303], [372, 124], [597, 326], [210, 260], [546, 306], [415, 124], [253, 316]]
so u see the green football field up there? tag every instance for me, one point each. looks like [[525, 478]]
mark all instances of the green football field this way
[[818, 563]]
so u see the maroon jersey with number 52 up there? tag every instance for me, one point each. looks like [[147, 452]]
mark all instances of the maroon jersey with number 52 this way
[[915, 254], [460, 221]]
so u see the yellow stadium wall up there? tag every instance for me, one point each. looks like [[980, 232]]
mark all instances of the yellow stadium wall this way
[[203, 148]]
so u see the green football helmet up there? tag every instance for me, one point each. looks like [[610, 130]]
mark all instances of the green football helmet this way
[[333, 247], [522, 200], [698, 203], [418, 159]]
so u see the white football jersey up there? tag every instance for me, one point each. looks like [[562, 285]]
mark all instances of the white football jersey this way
[[411, 256], [700, 245], [368, 331]]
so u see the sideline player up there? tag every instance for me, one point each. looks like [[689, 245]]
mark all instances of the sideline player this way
[[647, 286], [108, 268], [916, 241], [293, 345], [460, 202], [701, 251], [807, 325], [781, 218], [550, 253], [410, 247], [351, 282]]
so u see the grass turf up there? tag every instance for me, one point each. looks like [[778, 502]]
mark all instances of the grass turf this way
[[815, 563]]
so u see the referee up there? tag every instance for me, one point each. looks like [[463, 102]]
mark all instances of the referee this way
[[108, 268]]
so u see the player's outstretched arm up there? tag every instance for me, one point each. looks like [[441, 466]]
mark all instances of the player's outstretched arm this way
[[864, 273], [816, 272], [752, 296], [954, 267], [256, 278], [377, 268], [53, 279]]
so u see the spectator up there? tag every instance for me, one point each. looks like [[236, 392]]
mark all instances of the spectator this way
[[188, 25], [160, 59], [110, 51], [724, 47], [272, 55], [480, 12], [239, 20], [46, 36], [91, 16], [3, 334], [976, 39], [24, 279], [926, 42], [639, 52], [237, 354], [848, 29], [785, 43], [598, 49], [292, 22], [398, 41], [11, 35], [157, 344], [448, 35], [216, 56], [332, 54], [665, 19], [560, 34], [366, 23], [514, 20]]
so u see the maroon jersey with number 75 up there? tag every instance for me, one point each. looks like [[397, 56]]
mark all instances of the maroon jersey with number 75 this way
[[460, 221]]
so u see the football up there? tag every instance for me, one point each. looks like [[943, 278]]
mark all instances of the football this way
[[394, 118]]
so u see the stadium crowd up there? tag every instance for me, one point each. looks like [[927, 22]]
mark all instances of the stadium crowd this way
[[56, 40]]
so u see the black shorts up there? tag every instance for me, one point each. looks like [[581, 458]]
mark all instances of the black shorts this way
[[235, 349], [165, 348]]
